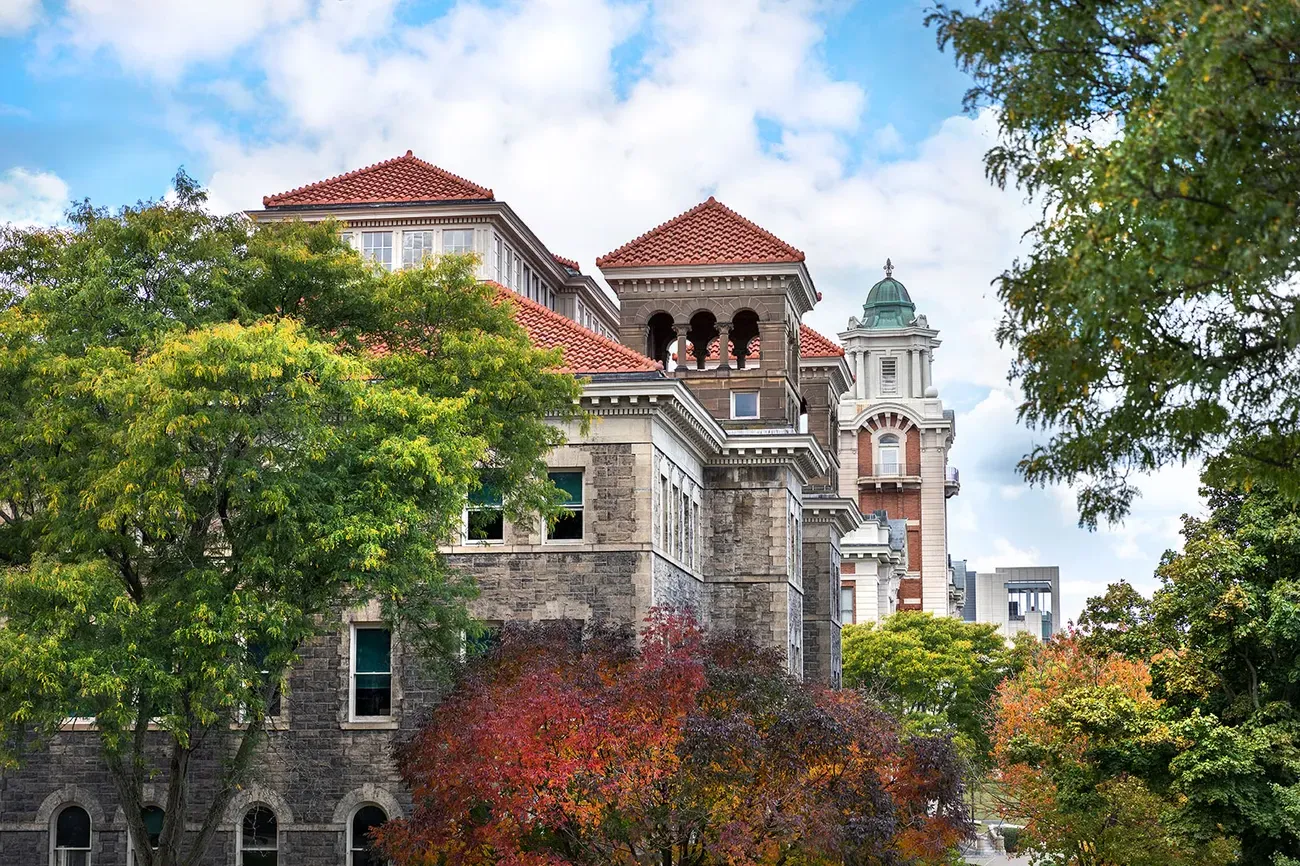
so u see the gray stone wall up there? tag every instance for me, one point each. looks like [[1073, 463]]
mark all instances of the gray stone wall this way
[[314, 771], [678, 588]]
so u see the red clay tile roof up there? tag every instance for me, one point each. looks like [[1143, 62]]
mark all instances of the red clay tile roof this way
[[402, 179], [568, 263], [815, 345], [584, 351], [708, 234]]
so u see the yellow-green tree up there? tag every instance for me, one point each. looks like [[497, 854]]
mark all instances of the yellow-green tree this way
[[211, 437]]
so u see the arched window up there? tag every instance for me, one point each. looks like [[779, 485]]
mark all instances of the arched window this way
[[259, 838], [703, 331], [744, 332], [72, 837], [660, 335], [361, 849], [888, 464], [153, 822]]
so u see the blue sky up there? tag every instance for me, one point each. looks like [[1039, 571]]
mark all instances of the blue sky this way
[[837, 125]]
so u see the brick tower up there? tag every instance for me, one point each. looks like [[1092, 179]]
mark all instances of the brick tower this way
[[894, 440]]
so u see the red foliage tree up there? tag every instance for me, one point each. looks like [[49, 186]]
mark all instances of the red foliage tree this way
[[565, 746]]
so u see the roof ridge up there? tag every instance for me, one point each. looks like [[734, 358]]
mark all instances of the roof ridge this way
[[561, 319], [270, 200], [710, 203]]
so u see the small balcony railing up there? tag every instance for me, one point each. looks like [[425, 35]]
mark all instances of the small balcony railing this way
[[896, 469]]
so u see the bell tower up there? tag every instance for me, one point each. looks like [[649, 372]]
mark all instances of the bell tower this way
[[895, 436], [718, 300]]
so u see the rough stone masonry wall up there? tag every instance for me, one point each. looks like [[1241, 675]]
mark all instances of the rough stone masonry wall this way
[[313, 774], [821, 591], [746, 548]]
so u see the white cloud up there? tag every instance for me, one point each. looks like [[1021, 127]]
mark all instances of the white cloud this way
[[162, 37], [16, 16], [32, 198], [1002, 553]]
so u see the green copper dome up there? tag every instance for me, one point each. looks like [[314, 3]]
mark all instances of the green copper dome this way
[[888, 303]]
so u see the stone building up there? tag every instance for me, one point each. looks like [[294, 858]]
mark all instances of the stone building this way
[[733, 454]]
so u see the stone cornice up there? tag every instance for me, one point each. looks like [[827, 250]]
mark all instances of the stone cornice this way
[[714, 280], [668, 399], [839, 511], [837, 369], [798, 450]]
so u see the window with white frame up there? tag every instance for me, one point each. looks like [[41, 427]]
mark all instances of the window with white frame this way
[[569, 525], [889, 375], [416, 247], [378, 248], [361, 843], [485, 516], [497, 259], [695, 521], [519, 276], [744, 404], [153, 823], [259, 838], [688, 541], [508, 278], [666, 523], [346, 238], [848, 604], [457, 241], [72, 837], [889, 450], [372, 672], [526, 284]]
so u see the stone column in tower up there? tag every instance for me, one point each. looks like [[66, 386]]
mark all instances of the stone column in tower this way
[[724, 345]]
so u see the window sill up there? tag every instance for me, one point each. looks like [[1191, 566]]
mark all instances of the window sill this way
[[370, 724]]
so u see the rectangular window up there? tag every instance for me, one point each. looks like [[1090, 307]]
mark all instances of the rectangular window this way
[[568, 527], [378, 248], [346, 238], [485, 519], [689, 540], [519, 276], [889, 375], [526, 285], [416, 247], [458, 241], [508, 278], [666, 524], [497, 260], [695, 522], [372, 672], [744, 404]]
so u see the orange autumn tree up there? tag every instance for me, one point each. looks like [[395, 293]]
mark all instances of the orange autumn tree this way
[[1084, 750], [572, 746]]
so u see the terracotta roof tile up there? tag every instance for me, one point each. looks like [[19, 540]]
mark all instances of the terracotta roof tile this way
[[815, 345], [402, 179], [708, 234], [568, 263], [584, 351]]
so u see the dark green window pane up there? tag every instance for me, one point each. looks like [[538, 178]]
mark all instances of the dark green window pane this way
[[72, 829], [260, 858], [570, 484], [374, 650], [568, 527], [483, 642], [153, 821], [489, 494], [374, 695], [366, 820], [487, 524]]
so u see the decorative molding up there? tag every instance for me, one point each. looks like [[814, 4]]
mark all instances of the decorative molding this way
[[367, 793], [252, 794]]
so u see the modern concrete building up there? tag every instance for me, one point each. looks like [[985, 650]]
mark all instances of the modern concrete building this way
[[733, 454], [1024, 599]]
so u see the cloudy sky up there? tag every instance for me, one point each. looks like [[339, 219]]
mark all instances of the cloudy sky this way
[[836, 125]]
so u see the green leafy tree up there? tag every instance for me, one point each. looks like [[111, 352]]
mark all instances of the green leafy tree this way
[[212, 438], [936, 674], [1154, 319], [1220, 637]]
